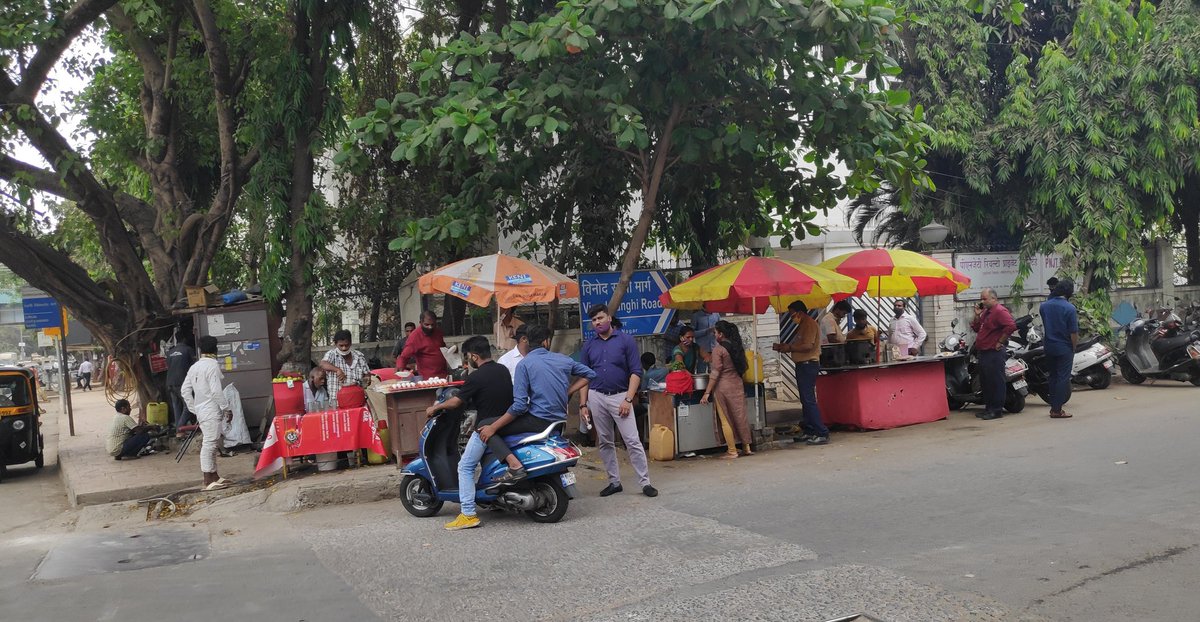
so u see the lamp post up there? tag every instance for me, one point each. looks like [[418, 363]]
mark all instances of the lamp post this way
[[933, 233], [934, 315]]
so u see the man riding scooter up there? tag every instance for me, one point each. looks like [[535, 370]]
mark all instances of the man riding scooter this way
[[539, 396]]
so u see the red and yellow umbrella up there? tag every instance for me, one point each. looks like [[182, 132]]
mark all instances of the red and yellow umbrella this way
[[751, 285], [511, 280], [884, 272]]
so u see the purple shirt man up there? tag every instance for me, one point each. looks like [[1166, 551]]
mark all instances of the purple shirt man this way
[[614, 357]]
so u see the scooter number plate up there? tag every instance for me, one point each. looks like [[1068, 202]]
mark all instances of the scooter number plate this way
[[1020, 384], [1108, 365], [568, 479]]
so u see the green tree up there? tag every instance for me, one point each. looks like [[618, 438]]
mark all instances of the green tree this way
[[160, 216], [299, 118], [636, 92]]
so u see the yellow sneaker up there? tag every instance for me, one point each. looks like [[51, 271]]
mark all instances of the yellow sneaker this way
[[463, 522]]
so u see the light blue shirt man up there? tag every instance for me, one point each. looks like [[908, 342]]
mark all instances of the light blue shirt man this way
[[541, 383]]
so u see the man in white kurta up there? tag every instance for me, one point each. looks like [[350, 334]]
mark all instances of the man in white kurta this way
[[204, 396]]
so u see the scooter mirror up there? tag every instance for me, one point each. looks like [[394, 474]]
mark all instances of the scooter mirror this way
[[954, 323]]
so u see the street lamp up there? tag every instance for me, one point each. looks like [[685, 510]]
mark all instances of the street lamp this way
[[933, 233], [756, 244]]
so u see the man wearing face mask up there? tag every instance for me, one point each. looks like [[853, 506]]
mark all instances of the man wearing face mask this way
[[618, 365], [343, 365], [423, 349], [905, 334], [489, 390]]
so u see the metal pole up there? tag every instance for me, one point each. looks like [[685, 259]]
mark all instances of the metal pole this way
[[754, 331], [64, 380]]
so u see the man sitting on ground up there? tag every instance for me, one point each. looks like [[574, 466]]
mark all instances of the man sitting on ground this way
[[126, 439]]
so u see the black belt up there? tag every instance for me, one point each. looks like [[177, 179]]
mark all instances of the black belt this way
[[611, 394]]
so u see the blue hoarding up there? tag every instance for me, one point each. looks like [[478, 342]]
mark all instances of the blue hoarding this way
[[640, 312]]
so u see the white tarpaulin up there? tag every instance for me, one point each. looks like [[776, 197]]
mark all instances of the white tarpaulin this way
[[236, 432]]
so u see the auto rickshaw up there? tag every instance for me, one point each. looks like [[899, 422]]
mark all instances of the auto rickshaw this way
[[20, 419]]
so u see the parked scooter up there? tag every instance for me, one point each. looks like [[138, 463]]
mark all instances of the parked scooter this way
[[964, 382], [1160, 349], [432, 479], [1092, 365]]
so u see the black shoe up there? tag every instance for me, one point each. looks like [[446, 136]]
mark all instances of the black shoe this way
[[611, 489], [649, 491], [991, 416], [818, 440], [511, 477], [803, 438]]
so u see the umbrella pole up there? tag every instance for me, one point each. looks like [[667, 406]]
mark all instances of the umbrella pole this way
[[878, 314], [754, 332]]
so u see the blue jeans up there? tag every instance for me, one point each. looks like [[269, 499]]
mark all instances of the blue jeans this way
[[134, 444], [806, 384], [1060, 379], [471, 456]]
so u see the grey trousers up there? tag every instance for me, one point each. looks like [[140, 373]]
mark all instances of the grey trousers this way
[[605, 411]]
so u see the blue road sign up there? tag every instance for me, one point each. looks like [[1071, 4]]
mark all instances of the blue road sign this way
[[640, 312], [41, 313]]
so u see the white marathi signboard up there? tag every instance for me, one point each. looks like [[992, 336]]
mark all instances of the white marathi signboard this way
[[999, 271]]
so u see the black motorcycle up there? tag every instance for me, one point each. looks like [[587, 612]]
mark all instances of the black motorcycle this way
[[964, 384], [1160, 349]]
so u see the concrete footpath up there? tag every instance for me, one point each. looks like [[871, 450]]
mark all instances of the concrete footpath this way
[[92, 477]]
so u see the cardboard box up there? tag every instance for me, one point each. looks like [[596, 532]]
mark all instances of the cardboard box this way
[[202, 296]]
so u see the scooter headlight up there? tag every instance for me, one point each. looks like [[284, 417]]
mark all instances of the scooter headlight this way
[[950, 343], [18, 425]]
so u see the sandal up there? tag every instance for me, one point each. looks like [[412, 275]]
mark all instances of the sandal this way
[[217, 485], [729, 456], [1061, 415]]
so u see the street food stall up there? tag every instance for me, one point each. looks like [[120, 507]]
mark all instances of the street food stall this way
[[856, 392], [406, 404], [747, 286], [878, 396], [694, 426]]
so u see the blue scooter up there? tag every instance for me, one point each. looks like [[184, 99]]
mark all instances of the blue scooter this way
[[432, 479]]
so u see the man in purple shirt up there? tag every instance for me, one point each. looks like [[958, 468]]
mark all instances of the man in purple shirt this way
[[614, 357]]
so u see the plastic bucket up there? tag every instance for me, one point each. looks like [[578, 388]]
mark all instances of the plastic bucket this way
[[327, 462], [289, 396]]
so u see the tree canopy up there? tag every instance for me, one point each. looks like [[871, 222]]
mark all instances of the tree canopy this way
[[600, 104]]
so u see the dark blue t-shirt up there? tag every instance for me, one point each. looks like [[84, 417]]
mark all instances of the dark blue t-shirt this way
[[1059, 320]]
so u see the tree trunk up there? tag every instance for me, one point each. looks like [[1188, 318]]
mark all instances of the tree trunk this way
[[312, 47], [651, 182], [1188, 212]]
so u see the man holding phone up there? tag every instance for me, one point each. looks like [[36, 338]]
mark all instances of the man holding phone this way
[[992, 324]]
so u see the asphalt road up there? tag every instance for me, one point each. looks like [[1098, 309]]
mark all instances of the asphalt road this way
[[1025, 518]]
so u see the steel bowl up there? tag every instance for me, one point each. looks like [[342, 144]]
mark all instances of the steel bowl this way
[[699, 381]]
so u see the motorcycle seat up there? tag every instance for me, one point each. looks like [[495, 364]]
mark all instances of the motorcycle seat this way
[[1163, 345], [1084, 345], [516, 440], [1030, 353]]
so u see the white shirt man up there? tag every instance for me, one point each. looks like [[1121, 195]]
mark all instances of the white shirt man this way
[[204, 396], [517, 354], [85, 367], [905, 334]]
